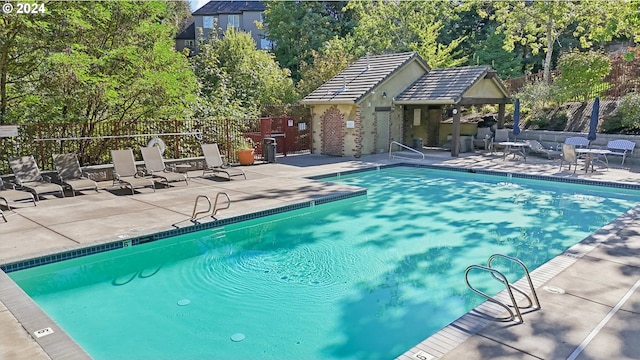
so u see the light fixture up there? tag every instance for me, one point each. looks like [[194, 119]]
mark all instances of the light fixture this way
[[454, 111], [384, 94]]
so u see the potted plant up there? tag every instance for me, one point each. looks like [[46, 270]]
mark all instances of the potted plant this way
[[245, 151]]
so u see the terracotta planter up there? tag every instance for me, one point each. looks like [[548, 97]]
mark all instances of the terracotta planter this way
[[245, 156]]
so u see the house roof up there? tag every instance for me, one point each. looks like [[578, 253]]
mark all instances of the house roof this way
[[357, 80], [188, 31], [446, 86], [229, 7]]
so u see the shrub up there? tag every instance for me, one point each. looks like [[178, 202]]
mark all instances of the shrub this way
[[629, 111]]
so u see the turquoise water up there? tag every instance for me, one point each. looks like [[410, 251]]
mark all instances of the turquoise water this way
[[361, 278]]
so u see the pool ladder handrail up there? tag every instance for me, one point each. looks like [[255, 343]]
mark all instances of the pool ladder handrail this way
[[391, 156], [194, 215], [509, 286]]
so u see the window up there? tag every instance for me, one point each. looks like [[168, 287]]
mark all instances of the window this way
[[189, 43], [234, 21], [207, 22], [266, 44]]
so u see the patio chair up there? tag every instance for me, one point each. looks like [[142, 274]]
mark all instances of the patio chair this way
[[154, 166], [8, 193], [483, 139], [570, 157], [215, 164], [501, 135], [125, 172], [577, 141], [535, 147], [28, 176], [71, 173], [620, 147]]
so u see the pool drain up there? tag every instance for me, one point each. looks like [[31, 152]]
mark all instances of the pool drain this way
[[554, 290], [184, 302], [237, 337]]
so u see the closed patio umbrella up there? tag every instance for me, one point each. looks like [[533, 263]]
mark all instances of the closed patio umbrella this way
[[516, 118], [593, 122]]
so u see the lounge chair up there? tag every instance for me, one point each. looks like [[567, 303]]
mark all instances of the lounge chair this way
[[71, 173], [570, 157], [125, 172], [28, 176], [536, 148], [8, 194], [154, 166], [215, 164], [620, 147]]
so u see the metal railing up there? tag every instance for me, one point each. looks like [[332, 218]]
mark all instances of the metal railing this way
[[392, 156]]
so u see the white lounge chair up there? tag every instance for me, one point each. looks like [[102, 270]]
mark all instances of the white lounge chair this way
[[28, 176], [154, 166], [125, 172], [215, 164], [71, 173]]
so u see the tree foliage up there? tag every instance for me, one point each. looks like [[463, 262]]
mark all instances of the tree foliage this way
[[539, 24], [581, 72], [105, 61], [298, 29], [237, 79]]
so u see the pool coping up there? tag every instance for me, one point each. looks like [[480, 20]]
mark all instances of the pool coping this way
[[60, 345]]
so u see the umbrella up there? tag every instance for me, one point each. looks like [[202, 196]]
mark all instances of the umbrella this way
[[593, 122], [516, 118]]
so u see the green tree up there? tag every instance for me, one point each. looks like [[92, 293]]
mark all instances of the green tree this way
[[406, 26], [538, 25], [118, 64], [490, 52], [581, 73], [297, 29], [237, 79]]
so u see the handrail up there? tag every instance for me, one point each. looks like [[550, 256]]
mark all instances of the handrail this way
[[215, 203], [526, 271], [195, 206], [510, 287], [405, 147], [495, 273]]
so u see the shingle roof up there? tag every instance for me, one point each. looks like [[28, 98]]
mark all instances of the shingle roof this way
[[445, 86], [188, 30], [229, 7], [357, 80]]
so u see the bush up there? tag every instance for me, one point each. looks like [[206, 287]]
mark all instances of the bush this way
[[629, 111], [581, 74]]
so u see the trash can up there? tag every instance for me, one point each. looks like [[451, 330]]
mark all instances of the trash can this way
[[417, 144], [269, 149]]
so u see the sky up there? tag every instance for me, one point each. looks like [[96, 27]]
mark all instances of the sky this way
[[197, 4]]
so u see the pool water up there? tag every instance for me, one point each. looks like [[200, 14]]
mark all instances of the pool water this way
[[368, 277]]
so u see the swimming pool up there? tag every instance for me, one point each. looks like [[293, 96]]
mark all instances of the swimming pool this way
[[342, 280]]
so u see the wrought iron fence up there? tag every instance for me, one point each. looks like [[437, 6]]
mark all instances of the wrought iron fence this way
[[181, 138]]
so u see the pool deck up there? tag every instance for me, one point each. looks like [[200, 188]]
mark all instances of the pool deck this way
[[594, 311]]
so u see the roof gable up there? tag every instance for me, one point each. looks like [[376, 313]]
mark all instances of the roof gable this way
[[229, 7], [357, 80], [447, 86]]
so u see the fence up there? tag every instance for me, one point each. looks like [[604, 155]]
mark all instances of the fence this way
[[623, 78], [181, 138]]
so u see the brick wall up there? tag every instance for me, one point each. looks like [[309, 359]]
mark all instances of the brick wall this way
[[333, 132]]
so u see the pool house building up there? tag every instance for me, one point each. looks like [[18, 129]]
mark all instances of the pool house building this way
[[398, 97]]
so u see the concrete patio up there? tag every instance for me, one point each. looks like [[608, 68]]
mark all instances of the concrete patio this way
[[594, 284]]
